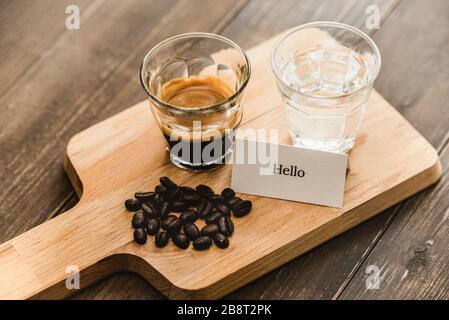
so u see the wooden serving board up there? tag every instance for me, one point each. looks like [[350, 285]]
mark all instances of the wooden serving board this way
[[108, 162]]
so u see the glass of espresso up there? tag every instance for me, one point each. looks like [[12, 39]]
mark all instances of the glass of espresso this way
[[195, 85]]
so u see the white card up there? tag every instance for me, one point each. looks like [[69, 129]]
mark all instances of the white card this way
[[288, 172]]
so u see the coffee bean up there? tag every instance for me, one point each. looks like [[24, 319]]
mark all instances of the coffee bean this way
[[169, 219], [168, 183], [149, 210], [186, 190], [139, 220], [226, 226], [228, 193], [202, 243], [242, 208], [201, 205], [192, 208], [140, 236], [153, 226], [217, 199], [158, 198], [173, 194], [213, 218], [191, 198], [178, 206], [160, 189], [233, 201], [204, 208], [161, 239], [200, 202], [204, 191], [133, 204], [210, 230], [191, 230], [221, 241], [145, 196], [174, 226], [181, 240], [223, 209], [188, 216], [164, 209]]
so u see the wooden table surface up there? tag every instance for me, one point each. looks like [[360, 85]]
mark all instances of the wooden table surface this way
[[55, 82]]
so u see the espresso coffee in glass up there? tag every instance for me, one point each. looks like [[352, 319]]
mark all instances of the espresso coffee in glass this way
[[195, 85]]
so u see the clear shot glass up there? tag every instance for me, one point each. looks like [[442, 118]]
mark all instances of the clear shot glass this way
[[199, 137], [325, 72]]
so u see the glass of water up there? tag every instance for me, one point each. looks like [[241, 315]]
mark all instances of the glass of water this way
[[325, 72]]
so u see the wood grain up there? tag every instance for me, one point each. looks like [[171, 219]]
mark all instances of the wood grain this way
[[412, 254], [264, 19], [25, 36], [111, 162]]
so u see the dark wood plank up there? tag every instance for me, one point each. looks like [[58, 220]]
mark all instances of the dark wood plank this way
[[78, 79], [412, 254], [261, 20], [25, 35], [413, 44]]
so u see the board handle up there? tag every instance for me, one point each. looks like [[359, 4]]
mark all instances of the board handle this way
[[41, 262]]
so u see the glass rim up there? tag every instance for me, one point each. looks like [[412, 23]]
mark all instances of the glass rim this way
[[208, 108], [333, 24]]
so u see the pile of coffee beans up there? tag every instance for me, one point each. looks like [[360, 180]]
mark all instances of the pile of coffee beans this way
[[170, 212]]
